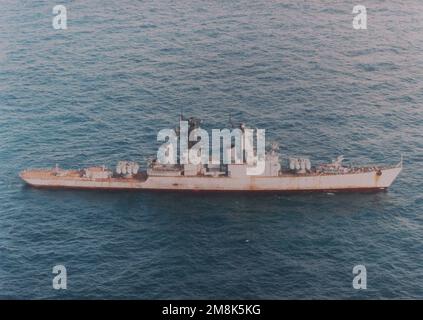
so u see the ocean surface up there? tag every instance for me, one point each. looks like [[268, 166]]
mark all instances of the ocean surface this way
[[101, 90]]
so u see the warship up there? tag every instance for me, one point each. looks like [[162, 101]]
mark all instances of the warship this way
[[294, 174]]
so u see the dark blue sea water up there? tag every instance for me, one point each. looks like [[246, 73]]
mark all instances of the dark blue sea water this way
[[99, 92]]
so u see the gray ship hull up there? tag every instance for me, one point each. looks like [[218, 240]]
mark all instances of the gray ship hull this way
[[361, 181]]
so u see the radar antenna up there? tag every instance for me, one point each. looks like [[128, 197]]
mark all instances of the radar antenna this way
[[230, 121], [181, 115], [274, 146]]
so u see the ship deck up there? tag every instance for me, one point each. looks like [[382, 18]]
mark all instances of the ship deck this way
[[73, 175]]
